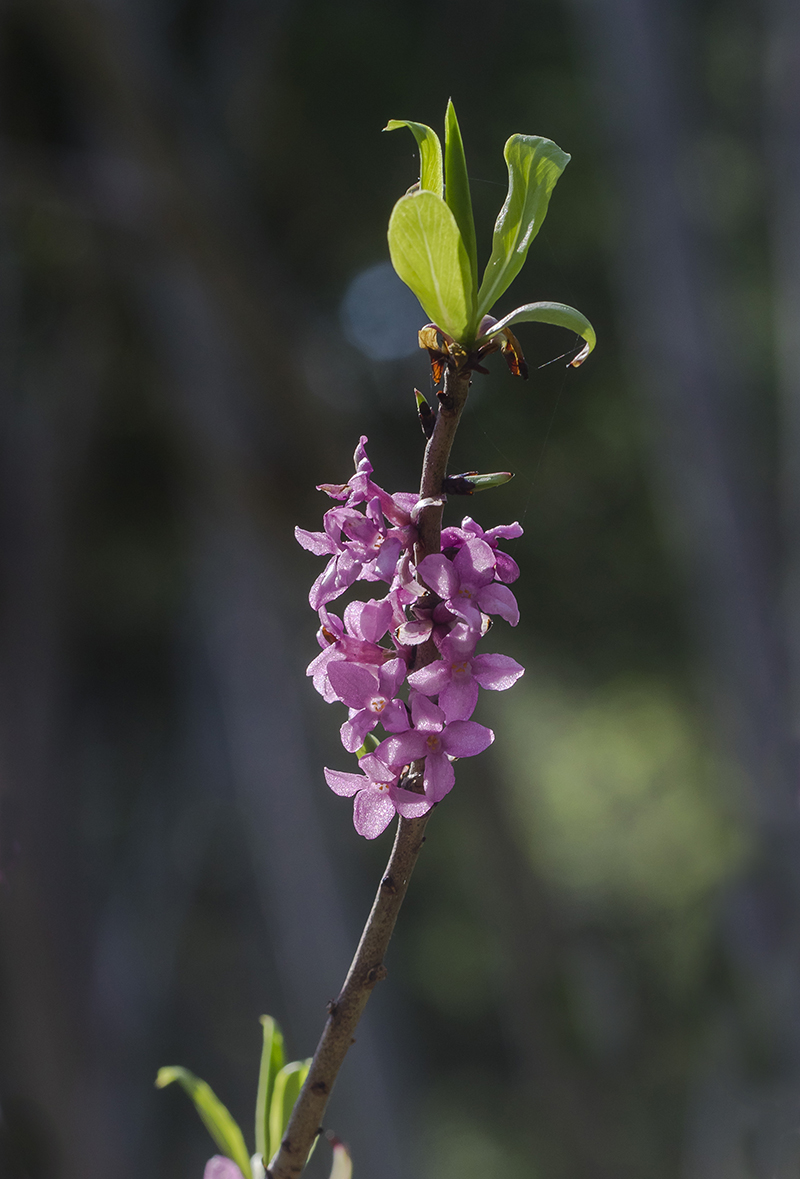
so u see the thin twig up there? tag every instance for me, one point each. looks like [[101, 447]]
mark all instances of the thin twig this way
[[367, 967]]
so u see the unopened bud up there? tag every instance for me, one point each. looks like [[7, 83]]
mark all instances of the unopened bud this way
[[427, 418], [471, 481]]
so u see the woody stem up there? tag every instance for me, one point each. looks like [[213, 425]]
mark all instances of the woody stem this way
[[367, 967]]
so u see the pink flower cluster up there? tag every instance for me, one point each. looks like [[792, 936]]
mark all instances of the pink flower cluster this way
[[370, 652]]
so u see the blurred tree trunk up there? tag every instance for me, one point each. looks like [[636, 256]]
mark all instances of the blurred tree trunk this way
[[636, 51], [86, 978]]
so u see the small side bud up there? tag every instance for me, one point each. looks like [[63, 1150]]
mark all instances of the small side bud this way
[[427, 418], [471, 481]]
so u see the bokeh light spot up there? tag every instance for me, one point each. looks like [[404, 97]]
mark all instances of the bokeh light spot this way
[[379, 314]]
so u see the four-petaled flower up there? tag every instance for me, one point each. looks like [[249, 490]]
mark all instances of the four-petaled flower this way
[[377, 795], [370, 696], [506, 568], [455, 677], [438, 742], [467, 584]]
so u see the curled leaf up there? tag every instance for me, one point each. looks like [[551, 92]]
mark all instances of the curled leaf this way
[[430, 153], [558, 314]]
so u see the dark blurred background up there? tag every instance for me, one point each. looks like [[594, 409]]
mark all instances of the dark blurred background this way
[[597, 972]]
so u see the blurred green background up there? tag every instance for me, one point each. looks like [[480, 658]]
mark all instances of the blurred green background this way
[[597, 972]]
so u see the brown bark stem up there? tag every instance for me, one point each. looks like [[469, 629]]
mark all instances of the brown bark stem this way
[[367, 967]]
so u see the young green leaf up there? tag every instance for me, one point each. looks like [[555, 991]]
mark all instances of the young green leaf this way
[[216, 1118], [272, 1061], [371, 743], [555, 313], [288, 1084], [428, 253], [457, 194], [430, 154], [534, 166]]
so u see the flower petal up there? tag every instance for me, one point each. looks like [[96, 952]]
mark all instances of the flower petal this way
[[391, 676], [221, 1168], [343, 784], [394, 717], [474, 562], [504, 532], [496, 672], [430, 680], [376, 770], [375, 619], [505, 568], [324, 588], [427, 717], [411, 634], [402, 749], [498, 599], [408, 804], [373, 811], [354, 685], [466, 738], [439, 776], [354, 731], [318, 543], [459, 698], [439, 575]]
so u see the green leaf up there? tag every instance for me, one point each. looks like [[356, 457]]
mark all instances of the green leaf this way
[[534, 166], [428, 253], [216, 1118], [457, 195], [430, 154], [371, 743], [555, 313], [288, 1084], [272, 1060]]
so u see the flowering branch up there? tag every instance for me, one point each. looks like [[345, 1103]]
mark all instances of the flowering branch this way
[[367, 967], [444, 585]]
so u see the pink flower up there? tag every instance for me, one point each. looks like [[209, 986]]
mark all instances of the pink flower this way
[[370, 696], [360, 489], [456, 676], [447, 598], [506, 569], [377, 796], [436, 741], [221, 1168], [365, 623], [370, 554], [466, 584]]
